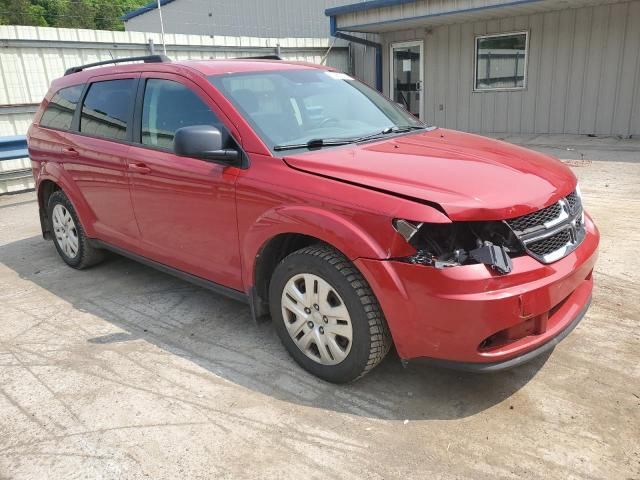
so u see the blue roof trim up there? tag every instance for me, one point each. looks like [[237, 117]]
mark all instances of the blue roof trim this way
[[147, 8], [361, 6], [514, 3]]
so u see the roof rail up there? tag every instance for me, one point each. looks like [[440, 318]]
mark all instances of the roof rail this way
[[145, 59], [261, 57]]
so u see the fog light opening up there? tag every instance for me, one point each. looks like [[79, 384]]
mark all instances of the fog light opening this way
[[531, 326]]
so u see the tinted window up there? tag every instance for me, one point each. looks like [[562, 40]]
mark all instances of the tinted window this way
[[106, 109], [59, 112], [169, 106]]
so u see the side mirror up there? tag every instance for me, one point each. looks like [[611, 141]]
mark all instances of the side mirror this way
[[203, 142]]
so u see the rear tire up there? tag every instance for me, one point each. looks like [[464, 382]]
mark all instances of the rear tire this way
[[326, 315], [68, 235]]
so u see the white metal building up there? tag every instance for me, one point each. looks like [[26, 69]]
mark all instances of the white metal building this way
[[516, 66], [255, 18], [262, 18]]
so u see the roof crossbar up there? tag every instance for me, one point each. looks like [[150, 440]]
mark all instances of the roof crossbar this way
[[145, 59], [260, 57]]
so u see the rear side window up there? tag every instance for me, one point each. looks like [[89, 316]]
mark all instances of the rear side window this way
[[169, 106], [105, 111], [61, 107]]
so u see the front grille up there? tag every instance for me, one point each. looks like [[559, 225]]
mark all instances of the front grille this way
[[550, 244], [552, 232], [573, 201], [536, 219]]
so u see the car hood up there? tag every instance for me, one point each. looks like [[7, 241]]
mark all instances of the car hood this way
[[470, 177]]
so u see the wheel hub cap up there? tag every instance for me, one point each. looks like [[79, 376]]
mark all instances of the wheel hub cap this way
[[65, 231], [317, 319]]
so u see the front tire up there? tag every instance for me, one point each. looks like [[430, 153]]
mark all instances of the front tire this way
[[68, 235], [326, 315]]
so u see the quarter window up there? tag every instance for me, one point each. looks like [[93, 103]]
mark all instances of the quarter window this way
[[105, 111], [501, 61], [168, 106], [61, 107]]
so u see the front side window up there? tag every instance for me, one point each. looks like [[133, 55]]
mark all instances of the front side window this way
[[501, 61], [300, 105], [169, 106], [105, 111], [61, 107]]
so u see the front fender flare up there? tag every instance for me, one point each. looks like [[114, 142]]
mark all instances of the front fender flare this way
[[315, 222]]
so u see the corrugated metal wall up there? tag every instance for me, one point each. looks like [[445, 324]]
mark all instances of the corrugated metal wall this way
[[583, 74], [264, 18], [31, 57], [363, 60], [15, 121]]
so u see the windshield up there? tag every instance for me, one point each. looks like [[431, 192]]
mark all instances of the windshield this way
[[291, 107]]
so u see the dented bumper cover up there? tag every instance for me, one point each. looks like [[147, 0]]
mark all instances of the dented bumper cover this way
[[470, 315]]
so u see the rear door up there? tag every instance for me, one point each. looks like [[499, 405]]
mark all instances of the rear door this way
[[185, 207], [98, 154]]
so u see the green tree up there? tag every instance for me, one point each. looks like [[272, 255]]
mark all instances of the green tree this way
[[21, 12], [77, 14], [107, 16], [93, 14], [52, 10]]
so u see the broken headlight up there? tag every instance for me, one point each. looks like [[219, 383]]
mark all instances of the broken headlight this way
[[460, 243]]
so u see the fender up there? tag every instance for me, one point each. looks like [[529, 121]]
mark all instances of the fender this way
[[53, 171], [305, 220]]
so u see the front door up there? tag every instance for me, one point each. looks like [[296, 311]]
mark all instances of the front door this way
[[185, 207], [407, 75]]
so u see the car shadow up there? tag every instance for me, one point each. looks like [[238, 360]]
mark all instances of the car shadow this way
[[219, 335]]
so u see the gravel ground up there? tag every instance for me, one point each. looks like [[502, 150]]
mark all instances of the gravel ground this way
[[124, 372]]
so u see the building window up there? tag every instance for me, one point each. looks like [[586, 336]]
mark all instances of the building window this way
[[501, 61]]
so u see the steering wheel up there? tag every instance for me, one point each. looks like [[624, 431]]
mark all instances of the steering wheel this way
[[328, 120]]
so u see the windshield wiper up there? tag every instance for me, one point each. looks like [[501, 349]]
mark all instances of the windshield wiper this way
[[407, 128], [333, 142], [315, 143], [388, 131]]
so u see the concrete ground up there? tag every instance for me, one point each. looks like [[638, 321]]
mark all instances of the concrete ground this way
[[578, 147], [124, 372]]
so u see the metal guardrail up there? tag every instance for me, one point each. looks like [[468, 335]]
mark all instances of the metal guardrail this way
[[15, 167], [13, 147]]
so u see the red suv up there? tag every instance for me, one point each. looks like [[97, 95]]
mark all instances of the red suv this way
[[321, 204]]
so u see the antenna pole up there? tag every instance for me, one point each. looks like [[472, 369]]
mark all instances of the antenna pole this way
[[164, 45]]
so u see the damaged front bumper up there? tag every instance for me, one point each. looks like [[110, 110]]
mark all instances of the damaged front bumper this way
[[471, 315], [513, 362]]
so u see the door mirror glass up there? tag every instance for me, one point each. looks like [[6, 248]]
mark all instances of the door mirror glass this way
[[203, 142]]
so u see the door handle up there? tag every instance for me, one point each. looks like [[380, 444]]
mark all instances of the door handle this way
[[70, 152], [139, 168]]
